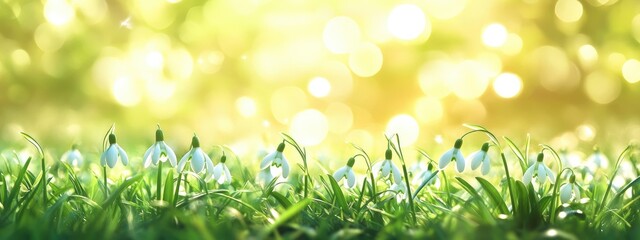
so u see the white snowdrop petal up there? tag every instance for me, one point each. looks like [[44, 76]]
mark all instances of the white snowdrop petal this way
[[156, 154], [526, 178], [351, 178], [476, 159], [197, 161], [112, 156], [267, 160], [285, 167], [386, 168], [565, 193], [486, 165], [147, 156], [170, 154], [445, 159], [459, 161], [397, 176], [377, 167], [227, 173], [183, 161], [340, 173], [542, 174]]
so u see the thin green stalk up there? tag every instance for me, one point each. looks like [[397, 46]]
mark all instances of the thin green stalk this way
[[398, 151], [506, 170], [175, 195], [106, 188], [159, 182], [44, 183], [186, 184]]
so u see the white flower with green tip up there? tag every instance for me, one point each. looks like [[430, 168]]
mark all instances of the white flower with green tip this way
[[481, 157], [221, 172], [570, 191], [539, 170], [73, 156], [400, 190], [159, 152], [276, 163], [453, 154], [347, 173], [199, 159], [113, 153], [424, 175], [386, 167]]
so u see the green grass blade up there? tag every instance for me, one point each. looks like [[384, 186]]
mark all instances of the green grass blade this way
[[16, 186], [120, 189], [521, 157], [494, 195], [33, 142], [168, 188], [281, 199], [289, 214], [337, 193]]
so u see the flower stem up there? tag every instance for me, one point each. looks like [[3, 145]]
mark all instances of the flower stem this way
[[175, 195], [506, 170], [44, 183], [106, 188], [159, 182]]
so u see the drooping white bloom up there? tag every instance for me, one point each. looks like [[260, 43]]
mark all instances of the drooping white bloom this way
[[114, 151], [73, 156], [159, 151], [199, 159], [539, 170], [221, 171], [570, 190], [264, 177], [597, 160], [276, 163], [386, 167], [453, 154], [424, 176], [481, 157], [400, 190], [346, 172]]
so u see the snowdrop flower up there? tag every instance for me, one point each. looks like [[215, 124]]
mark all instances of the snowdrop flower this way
[[221, 171], [276, 163], [400, 190], [570, 190], [73, 156], [481, 157], [199, 159], [424, 175], [453, 154], [540, 170], [346, 172], [113, 152], [159, 151], [386, 167], [264, 177], [597, 160]]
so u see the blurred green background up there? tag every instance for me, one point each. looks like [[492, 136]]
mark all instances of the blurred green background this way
[[238, 72]]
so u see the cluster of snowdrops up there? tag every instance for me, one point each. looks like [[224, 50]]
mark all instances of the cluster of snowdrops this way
[[275, 167]]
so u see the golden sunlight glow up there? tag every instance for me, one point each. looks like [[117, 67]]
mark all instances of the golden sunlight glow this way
[[568, 10], [631, 70], [366, 60], [601, 87], [588, 55], [154, 60], [341, 35], [339, 117], [160, 91], [494, 35], [20, 58], [309, 127], [428, 109], [287, 101], [586, 132], [444, 9], [126, 92], [471, 80], [406, 127], [47, 38], [319, 87], [512, 45], [246, 106], [507, 85], [554, 69], [58, 12], [210, 61], [434, 77], [408, 22]]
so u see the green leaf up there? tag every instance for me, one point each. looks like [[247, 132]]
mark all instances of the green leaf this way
[[105, 139], [521, 158], [120, 189], [289, 214], [16, 187], [281, 199], [168, 188], [337, 192], [34, 143], [494, 195]]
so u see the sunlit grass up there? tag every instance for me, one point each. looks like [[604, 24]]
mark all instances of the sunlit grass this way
[[513, 196]]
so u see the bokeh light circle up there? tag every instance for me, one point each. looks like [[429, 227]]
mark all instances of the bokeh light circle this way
[[309, 127], [406, 127]]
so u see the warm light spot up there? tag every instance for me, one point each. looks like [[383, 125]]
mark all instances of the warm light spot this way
[[246, 106], [631, 70], [319, 87], [494, 35], [341, 35], [126, 92], [287, 101], [340, 117], [406, 127], [20, 58], [467, 111], [552, 232], [339, 77], [210, 61], [586, 132], [568, 10], [366, 60], [47, 38], [408, 22], [428, 109], [512, 45], [309, 127], [471, 80], [58, 12], [588, 55], [180, 64], [602, 88], [507, 85], [360, 138], [635, 27], [438, 139], [444, 9], [554, 69], [434, 77], [154, 59], [160, 91]]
